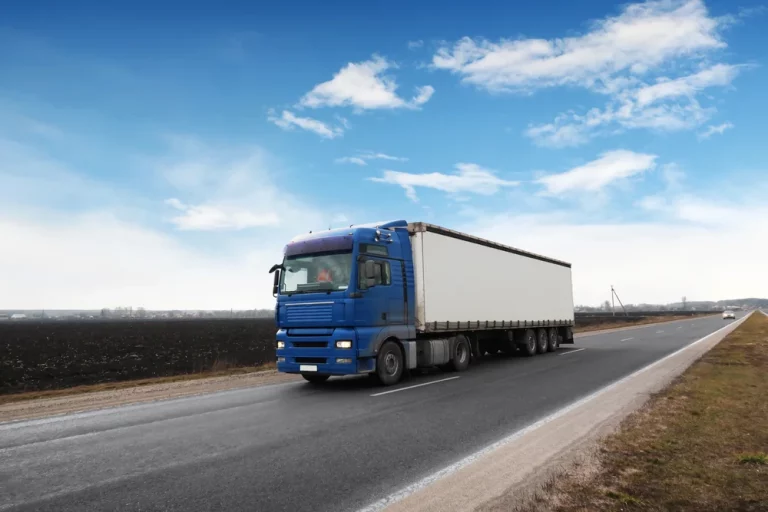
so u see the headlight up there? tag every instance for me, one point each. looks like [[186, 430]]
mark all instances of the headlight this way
[[280, 344], [344, 344]]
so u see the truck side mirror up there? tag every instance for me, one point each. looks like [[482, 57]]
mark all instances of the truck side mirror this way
[[276, 283], [370, 273]]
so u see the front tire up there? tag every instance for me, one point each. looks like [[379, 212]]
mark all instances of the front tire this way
[[389, 363], [315, 378]]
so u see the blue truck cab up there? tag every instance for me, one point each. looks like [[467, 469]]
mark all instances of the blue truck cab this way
[[341, 294]]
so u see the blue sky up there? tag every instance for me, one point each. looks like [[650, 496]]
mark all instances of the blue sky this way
[[160, 154]]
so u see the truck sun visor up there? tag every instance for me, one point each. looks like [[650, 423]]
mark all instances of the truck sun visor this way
[[319, 245]]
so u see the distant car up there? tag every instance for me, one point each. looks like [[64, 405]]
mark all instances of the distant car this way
[[729, 314]]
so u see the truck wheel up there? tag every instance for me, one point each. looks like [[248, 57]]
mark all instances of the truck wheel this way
[[460, 357], [315, 378], [543, 341], [553, 341], [389, 363], [527, 343]]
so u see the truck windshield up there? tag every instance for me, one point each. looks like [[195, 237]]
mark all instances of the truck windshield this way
[[309, 273]]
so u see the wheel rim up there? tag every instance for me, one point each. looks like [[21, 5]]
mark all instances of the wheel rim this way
[[532, 342], [391, 364], [461, 352]]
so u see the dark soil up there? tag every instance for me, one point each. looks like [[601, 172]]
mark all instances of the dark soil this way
[[53, 355]]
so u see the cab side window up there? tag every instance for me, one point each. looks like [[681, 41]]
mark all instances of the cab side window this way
[[383, 276]]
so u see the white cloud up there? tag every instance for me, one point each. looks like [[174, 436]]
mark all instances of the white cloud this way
[[667, 106], [206, 217], [717, 75], [363, 157], [423, 94], [672, 175], [415, 45], [351, 160], [648, 261], [225, 188], [95, 260], [469, 178], [694, 210], [75, 242], [288, 120], [597, 174], [560, 134], [652, 61], [643, 36], [715, 129], [364, 86]]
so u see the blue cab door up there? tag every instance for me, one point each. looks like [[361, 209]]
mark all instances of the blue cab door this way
[[384, 302]]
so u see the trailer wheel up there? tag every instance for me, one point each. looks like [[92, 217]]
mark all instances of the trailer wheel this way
[[527, 343], [554, 340], [460, 356], [315, 378], [543, 341], [389, 363]]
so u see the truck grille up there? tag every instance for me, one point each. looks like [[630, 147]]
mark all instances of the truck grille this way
[[321, 312], [311, 360], [310, 344]]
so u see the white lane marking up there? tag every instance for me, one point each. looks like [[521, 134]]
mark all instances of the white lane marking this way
[[426, 481], [659, 332], [627, 339], [680, 327], [571, 351], [415, 386]]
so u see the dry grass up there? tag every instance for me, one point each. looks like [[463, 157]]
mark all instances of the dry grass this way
[[218, 369], [700, 445], [631, 323]]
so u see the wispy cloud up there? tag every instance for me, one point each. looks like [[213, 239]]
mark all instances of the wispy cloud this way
[[667, 105], [717, 75], [351, 160], [364, 86], [363, 157], [208, 217], [415, 45], [288, 121], [715, 129], [216, 188], [469, 178], [597, 174]]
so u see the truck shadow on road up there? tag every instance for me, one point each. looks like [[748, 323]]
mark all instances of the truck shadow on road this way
[[485, 364]]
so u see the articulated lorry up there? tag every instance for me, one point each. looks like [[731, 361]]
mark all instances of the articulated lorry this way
[[389, 297]]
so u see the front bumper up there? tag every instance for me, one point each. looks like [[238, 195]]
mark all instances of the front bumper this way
[[318, 354]]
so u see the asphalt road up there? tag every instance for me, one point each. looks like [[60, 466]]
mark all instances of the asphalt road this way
[[295, 447]]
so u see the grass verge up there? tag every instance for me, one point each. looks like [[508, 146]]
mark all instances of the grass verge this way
[[700, 445], [218, 370]]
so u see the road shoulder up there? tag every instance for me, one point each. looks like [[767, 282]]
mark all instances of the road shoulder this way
[[68, 404]]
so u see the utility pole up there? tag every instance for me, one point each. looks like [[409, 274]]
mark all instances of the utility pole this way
[[685, 303], [614, 294]]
